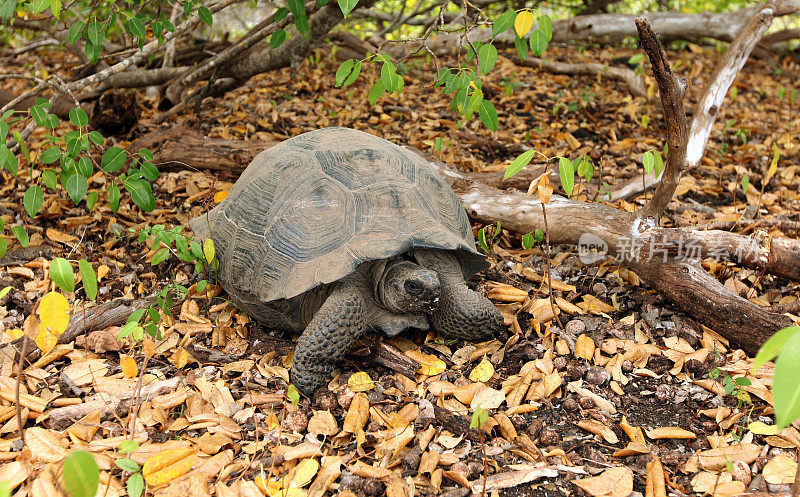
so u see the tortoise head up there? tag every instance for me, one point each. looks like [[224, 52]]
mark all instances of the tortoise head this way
[[408, 288]]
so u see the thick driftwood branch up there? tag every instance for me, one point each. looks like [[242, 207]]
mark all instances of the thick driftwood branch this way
[[630, 78], [713, 95], [62, 417], [732, 62], [671, 91]]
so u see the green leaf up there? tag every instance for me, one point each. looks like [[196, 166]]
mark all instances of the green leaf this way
[[482, 239], [128, 465], [73, 147], [76, 186], [648, 161], [96, 137], [487, 58], [92, 52], [375, 92], [85, 167], [94, 33], [50, 155], [21, 235], [567, 172], [538, 42], [160, 256], [488, 115], [281, 14], [388, 76], [62, 275], [539, 235], [659, 166], [546, 26], [33, 200], [347, 6], [113, 159], [113, 197], [39, 115], [141, 193], [78, 117], [3, 246], [40, 5], [89, 279], [785, 387], [474, 101], [528, 241], [55, 8], [75, 31], [773, 346], [522, 47], [504, 22], [745, 182], [205, 15], [8, 160], [5, 291], [277, 38], [136, 26], [135, 485], [81, 474], [128, 446], [149, 170], [518, 163], [348, 72], [293, 394], [49, 179], [298, 9], [91, 200]]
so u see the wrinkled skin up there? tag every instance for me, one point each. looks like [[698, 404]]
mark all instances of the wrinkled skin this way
[[399, 297]]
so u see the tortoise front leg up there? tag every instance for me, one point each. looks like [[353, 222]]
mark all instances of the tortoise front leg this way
[[340, 321], [461, 312]]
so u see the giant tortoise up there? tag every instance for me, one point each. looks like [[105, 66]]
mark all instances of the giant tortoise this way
[[336, 231]]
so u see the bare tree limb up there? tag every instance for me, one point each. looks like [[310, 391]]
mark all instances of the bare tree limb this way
[[635, 82]]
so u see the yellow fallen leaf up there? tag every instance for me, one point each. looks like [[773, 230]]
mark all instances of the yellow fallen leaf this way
[[761, 428], [46, 341], [304, 472], [168, 465], [14, 333], [523, 23], [483, 372], [220, 196], [54, 313], [780, 470], [360, 382], [429, 365], [129, 367]]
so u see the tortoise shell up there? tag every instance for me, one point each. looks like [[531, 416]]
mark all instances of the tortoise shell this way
[[308, 211]]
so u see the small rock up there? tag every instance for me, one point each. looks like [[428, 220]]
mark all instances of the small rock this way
[[411, 459], [570, 404], [597, 375], [741, 472], [534, 428], [324, 399], [560, 362], [599, 288], [295, 421], [664, 392], [374, 487], [586, 402], [549, 437], [575, 327]]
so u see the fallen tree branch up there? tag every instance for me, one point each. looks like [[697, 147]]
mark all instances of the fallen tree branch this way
[[623, 74]]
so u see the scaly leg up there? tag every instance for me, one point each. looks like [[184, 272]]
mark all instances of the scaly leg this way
[[340, 321]]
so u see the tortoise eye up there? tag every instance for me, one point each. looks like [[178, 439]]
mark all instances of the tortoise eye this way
[[413, 287]]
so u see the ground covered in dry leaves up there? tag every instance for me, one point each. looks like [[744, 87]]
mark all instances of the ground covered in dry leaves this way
[[617, 393]]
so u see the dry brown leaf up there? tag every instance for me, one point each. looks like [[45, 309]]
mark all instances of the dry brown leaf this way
[[429, 365], [600, 429], [45, 445], [357, 414], [715, 459], [613, 482], [670, 432], [584, 347], [323, 423], [487, 398]]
